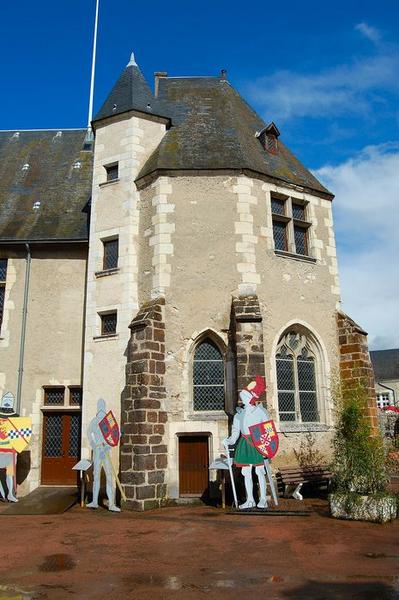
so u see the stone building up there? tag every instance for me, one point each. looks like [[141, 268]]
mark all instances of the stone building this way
[[386, 372], [161, 267]]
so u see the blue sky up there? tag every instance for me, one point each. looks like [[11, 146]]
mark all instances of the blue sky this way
[[327, 75]]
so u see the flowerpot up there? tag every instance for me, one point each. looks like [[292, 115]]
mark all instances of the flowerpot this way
[[378, 508]]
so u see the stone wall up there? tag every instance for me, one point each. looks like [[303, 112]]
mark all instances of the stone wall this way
[[355, 363], [143, 459], [248, 335]]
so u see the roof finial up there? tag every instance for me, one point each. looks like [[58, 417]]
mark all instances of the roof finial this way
[[132, 61]]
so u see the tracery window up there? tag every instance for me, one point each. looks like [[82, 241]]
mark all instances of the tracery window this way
[[208, 377], [296, 379]]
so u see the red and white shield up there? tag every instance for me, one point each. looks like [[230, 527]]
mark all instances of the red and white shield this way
[[110, 429], [265, 438]]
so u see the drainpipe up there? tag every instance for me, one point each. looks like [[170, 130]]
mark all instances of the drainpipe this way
[[390, 389], [23, 329]]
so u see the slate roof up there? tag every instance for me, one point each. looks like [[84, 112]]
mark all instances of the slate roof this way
[[214, 128], [51, 179], [385, 364], [130, 92]]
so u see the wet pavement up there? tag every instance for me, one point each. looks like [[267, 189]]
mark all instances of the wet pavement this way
[[196, 552]]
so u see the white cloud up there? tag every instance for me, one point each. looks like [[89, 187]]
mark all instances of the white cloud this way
[[367, 231], [369, 32], [354, 88]]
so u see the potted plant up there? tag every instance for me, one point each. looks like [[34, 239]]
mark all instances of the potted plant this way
[[359, 473]]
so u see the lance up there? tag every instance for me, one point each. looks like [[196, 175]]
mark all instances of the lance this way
[[233, 485]]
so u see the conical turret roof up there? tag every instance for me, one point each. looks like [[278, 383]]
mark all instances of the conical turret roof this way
[[130, 92]]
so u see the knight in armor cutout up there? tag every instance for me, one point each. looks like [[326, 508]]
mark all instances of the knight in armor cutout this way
[[246, 455], [101, 458]]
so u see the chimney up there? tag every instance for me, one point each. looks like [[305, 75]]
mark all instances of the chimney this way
[[158, 75]]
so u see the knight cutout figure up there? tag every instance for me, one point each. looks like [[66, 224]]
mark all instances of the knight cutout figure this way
[[257, 440]]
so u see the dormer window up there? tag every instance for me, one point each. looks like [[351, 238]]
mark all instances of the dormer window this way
[[268, 137]]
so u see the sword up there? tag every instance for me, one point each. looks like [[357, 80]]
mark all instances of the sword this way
[[270, 479], [233, 485]]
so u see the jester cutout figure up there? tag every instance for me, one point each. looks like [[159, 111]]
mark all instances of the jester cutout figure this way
[[103, 434], [257, 444], [15, 434]]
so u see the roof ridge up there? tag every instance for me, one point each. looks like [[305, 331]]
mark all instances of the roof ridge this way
[[45, 129]]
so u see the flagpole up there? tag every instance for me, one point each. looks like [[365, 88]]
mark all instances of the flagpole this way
[[93, 69]]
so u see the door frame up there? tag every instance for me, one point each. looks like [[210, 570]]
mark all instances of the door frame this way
[[54, 411], [205, 434]]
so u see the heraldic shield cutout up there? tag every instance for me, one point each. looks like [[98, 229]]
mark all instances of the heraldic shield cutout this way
[[104, 434], [15, 435], [257, 443]]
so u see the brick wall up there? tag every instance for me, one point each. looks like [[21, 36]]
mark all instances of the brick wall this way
[[248, 336], [143, 449], [355, 364]]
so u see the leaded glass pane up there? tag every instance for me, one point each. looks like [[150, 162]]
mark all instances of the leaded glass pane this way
[[2, 294], [208, 373], [53, 444], [301, 246], [279, 234], [54, 396], [112, 172], [278, 206], [308, 403], [75, 396], [306, 375], [298, 211], [285, 373], [111, 252], [3, 269], [108, 323], [74, 436], [286, 406], [208, 377], [208, 397], [207, 351]]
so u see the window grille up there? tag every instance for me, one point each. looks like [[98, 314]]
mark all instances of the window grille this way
[[74, 435], [208, 377], [112, 172], [271, 144], [54, 396], [53, 443], [111, 251], [75, 396], [296, 380], [290, 230], [301, 244], [108, 323], [3, 276], [280, 235], [278, 206], [3, 269]]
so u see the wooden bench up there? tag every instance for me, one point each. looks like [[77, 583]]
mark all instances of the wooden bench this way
[[287, 477]]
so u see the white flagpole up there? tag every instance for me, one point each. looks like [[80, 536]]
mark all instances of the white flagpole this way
[[93, 69]]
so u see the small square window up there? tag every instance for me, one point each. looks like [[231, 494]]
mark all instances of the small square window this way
[[54, 396], [75, 396], [298, 211], [112, 172], [278, 206], [108, 323], [111, 253]]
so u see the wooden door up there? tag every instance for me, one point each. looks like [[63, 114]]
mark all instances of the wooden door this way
[[61, 447], [193, 465]]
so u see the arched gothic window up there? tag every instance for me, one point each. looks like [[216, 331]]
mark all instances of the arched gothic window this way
[[208, 377], [296, 379]]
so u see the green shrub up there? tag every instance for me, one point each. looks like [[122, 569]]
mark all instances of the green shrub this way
[[359, 459]]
